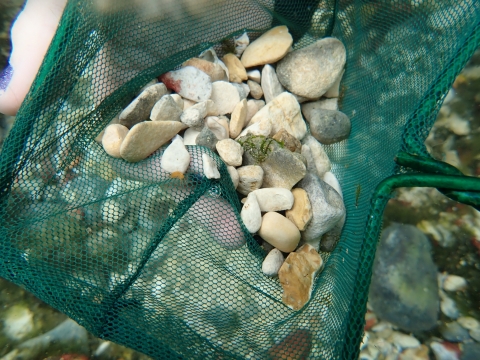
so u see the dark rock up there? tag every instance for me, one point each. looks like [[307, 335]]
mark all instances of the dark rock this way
[[207, 138], [404, 289], [454, 332], [471, 351], [288, 140], [329, 126]]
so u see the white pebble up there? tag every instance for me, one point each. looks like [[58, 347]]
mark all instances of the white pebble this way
[[251, 215], [190, 136], [210, 168], [454, 283], [274, 199], [449, 308], [469, 323], [234, 175], [176, 157], [254, 75], [404, 341], [332, 180]]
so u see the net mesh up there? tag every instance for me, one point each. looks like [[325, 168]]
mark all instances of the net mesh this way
[[151, 262]]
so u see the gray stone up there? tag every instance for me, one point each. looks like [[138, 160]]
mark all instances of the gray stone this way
[[471, 351], [327, 104], [327, 208], [243, 90], [329, 126], [255, 89], [270, 85], [207, 138], [454, 332], [312, 70], [404, 287], [166, 109], [140, 108], [281, 167]]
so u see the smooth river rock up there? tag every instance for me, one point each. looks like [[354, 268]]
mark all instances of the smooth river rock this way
[[230, 151], [280, 232], [329, 126], [146, 137], [251, 214], [112, 139], [225, 96], [236, 70], [272, 262], [268, 48], [166, 109], [250, 178], [274, 199], [270, 85], [312, 70]]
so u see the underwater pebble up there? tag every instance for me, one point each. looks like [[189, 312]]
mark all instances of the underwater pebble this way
[[469, 323], [454, 283]]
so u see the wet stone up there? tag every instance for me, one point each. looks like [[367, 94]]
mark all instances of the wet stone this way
[[329, 126]]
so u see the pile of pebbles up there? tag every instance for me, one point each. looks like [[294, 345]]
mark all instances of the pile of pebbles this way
[[247, 107]]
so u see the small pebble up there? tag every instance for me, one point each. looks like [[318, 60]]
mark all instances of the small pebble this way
[[329, 126], [274, 199], [175, 158], [254, 75], [454, 283], [230, 151], [238, 118], [469, 323], [166, 109], [270, 85], [209, 167], [272, 262], [236, 70], [280, 232], [225, 96], [234, 175], [250, 214], [250, 178], [255, 89], [113, 138]]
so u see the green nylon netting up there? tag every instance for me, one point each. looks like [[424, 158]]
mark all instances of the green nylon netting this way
[[157, 280]]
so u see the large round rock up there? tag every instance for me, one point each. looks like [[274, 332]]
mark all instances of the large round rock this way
[[311, 71]]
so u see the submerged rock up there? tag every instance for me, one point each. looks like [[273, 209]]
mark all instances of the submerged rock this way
[[404, 288]]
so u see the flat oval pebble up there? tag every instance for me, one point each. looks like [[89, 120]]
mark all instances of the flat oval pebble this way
[[251, 214], [312, 70], [272, 262], [255, 89], [268, 48], [175, 158], [329, 126], [274, 199], [280, 232], [189, 82], [454, 283], [113, 138], [236, 70], [148, 136]]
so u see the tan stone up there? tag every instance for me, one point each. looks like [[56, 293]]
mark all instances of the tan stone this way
[[250, 178], [146, 137], [288, 140], [280, 232], [239, 116], [301, 212], [236, 70], [268, 48], [213, 70], [297, 275], [112, 139]]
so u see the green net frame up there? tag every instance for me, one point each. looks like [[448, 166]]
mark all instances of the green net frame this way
[[402, 58]]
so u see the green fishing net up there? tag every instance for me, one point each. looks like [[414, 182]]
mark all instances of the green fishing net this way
[[151, 262]]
